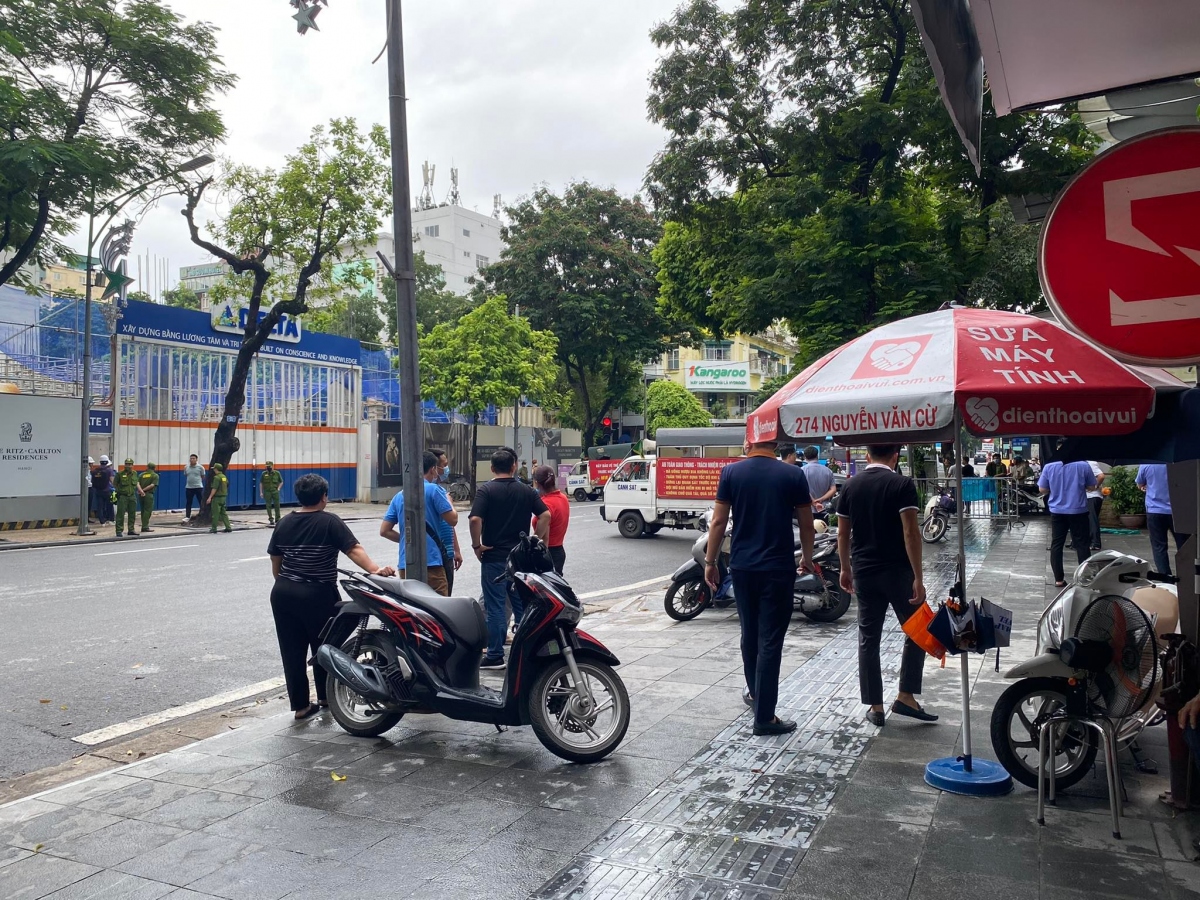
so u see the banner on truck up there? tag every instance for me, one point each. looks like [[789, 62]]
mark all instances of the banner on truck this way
[[600, 469], [689, 478]]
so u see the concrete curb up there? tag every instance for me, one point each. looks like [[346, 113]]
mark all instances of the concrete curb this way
[[113, 539]]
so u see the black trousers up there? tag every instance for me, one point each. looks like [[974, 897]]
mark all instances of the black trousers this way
[[559, 557], [1158, 524], [1080, 526], [301, 609], [1094, 504], [876, 592], [764, 604], [196, 494]]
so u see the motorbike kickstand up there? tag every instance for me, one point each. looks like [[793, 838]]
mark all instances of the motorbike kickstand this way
[[501, 728], [1144, 763]]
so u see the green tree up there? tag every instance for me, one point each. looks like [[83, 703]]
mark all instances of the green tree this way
[[435, 304], [810, 173], [354, 314], [670, 405], [140, 297], [182, 297], [96, 96], [579, 265], [487, 358], [283, 231]]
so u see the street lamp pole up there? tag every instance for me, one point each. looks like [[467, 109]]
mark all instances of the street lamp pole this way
[[411, 423], [85, 392]]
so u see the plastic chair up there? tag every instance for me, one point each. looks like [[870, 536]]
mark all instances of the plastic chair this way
[[1047, 740]]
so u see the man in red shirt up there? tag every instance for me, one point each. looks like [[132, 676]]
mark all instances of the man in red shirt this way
[[560, 514]]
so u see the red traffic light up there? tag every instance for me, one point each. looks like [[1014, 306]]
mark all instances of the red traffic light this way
[[606, 422]]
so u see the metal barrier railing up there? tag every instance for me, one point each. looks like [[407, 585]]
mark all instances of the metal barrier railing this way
[[1003, 499]]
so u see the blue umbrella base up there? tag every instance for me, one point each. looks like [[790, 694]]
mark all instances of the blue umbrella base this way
[[986, 778]]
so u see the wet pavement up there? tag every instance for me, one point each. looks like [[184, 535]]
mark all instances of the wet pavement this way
[[690, 806]]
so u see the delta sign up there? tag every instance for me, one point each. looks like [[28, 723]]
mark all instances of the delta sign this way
[[717, 376], [231, 318]]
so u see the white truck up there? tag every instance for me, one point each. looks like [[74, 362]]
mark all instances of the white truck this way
[[587, 478], [675, 486]]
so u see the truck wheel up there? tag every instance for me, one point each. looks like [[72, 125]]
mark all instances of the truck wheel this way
[[580, 495], [630, 524]]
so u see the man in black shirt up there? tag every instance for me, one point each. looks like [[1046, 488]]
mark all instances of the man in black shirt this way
[[500, 514], [879, 532], [764, 495]]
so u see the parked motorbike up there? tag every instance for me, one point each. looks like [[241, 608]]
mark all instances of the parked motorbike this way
[[1022, 498], [397, 647], [1047, 679], [816, 594], [940, 508]]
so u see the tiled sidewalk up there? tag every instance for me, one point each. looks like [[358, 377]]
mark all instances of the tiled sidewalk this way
[[691, 805]]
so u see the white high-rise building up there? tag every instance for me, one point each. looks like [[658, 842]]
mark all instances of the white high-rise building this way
[[459, 240]]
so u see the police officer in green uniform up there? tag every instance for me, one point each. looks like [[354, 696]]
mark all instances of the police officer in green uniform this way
[[148, 482], [268, 487], [127, 489], [217, 498]]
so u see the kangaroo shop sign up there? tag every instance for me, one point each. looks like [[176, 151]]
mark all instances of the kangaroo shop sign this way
[[717, 376]]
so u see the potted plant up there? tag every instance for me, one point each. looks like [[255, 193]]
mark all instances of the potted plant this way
[[1128, 501]]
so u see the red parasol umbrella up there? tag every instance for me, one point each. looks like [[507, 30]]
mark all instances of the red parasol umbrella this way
[[1002, 372], [921, 378]]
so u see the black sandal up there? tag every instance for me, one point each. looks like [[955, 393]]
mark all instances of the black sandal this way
[[308, 713]]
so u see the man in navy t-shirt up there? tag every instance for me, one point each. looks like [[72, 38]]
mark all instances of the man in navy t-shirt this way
[[765, 496]]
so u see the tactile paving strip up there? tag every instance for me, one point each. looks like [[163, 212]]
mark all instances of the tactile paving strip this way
[[735, 820]]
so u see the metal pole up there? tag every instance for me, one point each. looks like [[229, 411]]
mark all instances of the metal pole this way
[[411, 424], [962, 580], [85, 387]]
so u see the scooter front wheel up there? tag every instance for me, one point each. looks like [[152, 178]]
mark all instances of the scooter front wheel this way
[[686, 599], [579, 722], [358, 716], [933, 529], [1015, 720]]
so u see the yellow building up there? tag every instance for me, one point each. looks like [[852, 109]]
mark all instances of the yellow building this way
[[70, 276], [725, 375]]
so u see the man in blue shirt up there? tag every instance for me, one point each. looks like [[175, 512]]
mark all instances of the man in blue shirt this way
[[437, 510], [820, 480], [765, 495], [1067, 484], [1153, 480]]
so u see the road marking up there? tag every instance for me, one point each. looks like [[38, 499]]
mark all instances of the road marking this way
[[625, 587], [177, 712], [147, 549], [252, 559]]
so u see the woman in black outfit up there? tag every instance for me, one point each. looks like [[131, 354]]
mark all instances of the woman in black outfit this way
[[304, 552]]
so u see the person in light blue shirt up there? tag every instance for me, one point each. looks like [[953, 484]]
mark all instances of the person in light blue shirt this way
[[1067, 484], [1153, 480], [438, 509], [820, 480]]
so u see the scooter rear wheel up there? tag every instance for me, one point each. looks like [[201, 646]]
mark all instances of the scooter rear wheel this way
[[565, 725], [686, 599], [359, 717]]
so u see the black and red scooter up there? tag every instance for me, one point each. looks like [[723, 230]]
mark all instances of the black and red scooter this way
[[397, 647]]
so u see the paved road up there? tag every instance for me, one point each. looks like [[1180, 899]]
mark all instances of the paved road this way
[[120, 630]]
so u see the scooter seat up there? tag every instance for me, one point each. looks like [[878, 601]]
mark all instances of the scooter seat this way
[[464, 615]]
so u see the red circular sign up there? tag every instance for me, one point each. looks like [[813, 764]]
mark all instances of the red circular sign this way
[[1119, 259]]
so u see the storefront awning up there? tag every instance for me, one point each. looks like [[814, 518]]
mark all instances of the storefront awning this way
[[1039, 52]]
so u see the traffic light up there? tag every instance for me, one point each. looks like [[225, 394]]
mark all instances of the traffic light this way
[[611, 429], [606, 422]]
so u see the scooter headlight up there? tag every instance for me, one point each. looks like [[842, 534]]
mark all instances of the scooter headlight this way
[[1053, 625], [1087, 571]]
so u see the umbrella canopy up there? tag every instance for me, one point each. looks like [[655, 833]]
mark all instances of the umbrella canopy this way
[[1004, 373]]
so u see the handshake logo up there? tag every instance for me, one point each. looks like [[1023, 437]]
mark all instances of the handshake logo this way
[[984, 412]]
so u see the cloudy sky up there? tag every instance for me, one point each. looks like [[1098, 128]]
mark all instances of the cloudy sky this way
[[514, 93]]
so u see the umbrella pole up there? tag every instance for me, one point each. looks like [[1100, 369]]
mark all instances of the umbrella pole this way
[[962, 580]]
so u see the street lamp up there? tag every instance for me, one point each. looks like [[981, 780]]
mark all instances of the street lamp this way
[[85, 392]]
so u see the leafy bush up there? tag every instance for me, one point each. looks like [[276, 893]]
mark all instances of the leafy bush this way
[[1127, 498]]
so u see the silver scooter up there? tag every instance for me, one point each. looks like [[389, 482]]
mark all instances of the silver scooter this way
[[1043, 685]]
